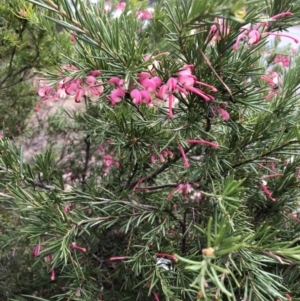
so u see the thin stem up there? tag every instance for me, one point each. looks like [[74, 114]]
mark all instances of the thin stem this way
[[30, 181], [158, 187], [207, 61], [86, 162], [184, 233], [265, 154], [132, 175]]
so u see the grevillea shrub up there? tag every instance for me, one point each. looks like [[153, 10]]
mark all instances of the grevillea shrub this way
[[186, 185]]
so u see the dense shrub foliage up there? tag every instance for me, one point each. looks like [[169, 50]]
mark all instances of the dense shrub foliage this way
[[183, 180]]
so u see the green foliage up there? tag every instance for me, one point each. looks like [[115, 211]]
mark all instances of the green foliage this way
[[225, 225], [25, 48]]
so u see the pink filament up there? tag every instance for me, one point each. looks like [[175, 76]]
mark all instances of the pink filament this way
[[52, 274], [138, 183], [267, 192], [214, 89], [284, 14], [184, 158], [155, 296], [117, 258], [212, 144], [283, 35]]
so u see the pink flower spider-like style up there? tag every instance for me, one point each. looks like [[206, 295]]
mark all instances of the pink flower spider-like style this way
[[75, 247], [184, 188], [203, 142], [267, 192], [37, 250], [144, 15], [253, 35], [165, 153], [273, 80]]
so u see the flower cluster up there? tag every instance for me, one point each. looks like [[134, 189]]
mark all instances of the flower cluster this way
[[256, 32], [185, 188], [109, 160], [152, 87], [163, 155], [79, 88], [37, 249], [278, 58], [218, 30], [143, 90], [285, 60], [273, 80]]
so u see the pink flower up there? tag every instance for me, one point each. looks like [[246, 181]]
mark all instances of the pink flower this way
[[148, 84], [163, 92], [224, 114], [70, 67], [75, 247], [91, 80], [267, 192], [94, 92], [282, 15], [219, 31], [185, 188], [186, 70], [240, 37], [143, 15], [186, 80], [95, 73], [165, 153], [136, 96], [79, 96], [117, 258], [146, 97], [116, 82], [212, 88], [93, 88], [172, 84], [204, 142], [61, 93], [184, 158], [282, 35], [108, 160], [157, 81], [37, 250], [67, 209], [200, 93], [272, 79], [116, 96], [253, 37], [284, 59], [120, 7], [72, 88], [156, 298], [143, 75], [45, 91]]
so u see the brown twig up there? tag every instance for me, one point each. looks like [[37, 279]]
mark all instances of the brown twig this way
[[215, 73]]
